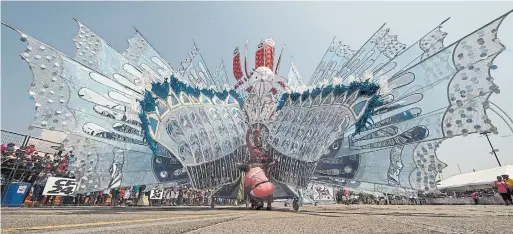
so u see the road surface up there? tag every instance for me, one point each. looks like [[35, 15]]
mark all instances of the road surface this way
[[359, 219]]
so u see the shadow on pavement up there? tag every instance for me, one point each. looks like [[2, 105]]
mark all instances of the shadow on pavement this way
[[329, 214], [116, 210]]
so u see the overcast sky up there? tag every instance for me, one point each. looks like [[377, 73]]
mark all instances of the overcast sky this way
[[306, 28]]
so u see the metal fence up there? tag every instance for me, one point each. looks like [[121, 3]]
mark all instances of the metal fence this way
[[13, 169], [11, 137], [22, 140]]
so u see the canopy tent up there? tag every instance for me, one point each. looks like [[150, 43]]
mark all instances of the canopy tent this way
[[475, 180]]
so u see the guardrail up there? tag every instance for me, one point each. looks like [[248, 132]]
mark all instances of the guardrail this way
[[23, 140]]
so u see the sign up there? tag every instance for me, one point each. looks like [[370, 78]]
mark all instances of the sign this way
[[22, 189], [15, 194], [156, 194], [320, 192], [60, 186]]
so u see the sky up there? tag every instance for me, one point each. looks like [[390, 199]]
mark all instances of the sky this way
[[306, 28]]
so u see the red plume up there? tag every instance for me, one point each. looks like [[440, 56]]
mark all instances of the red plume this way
[[237, 69]]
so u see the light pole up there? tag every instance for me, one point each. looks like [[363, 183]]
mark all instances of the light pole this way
[[494, 151]]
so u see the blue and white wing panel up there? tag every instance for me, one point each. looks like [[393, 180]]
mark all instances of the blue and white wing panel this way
[[378, 50], [204, 128], [416, 118], [335, 58], [294, 77], [194, 69], [93, 109], [144, 56], [220, 77]]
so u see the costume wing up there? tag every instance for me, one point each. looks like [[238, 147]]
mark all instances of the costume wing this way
[[93, 98], [204, 127], [398, 148], [294, 77], [332, 62], [309, 122]]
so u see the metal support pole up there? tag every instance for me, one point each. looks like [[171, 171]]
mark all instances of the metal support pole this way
[[493, 149]]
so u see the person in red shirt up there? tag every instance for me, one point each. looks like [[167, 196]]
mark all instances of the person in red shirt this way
[[64, 164], [30, 149], [121, 196], [4, 148], [475, 197], [502, 189], [347, 196]]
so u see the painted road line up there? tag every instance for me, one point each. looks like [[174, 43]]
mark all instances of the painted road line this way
[[117, 222], [254, 216], [139, 225]]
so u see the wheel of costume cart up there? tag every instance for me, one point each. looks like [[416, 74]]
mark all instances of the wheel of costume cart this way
[[295, 205], [212, 203]]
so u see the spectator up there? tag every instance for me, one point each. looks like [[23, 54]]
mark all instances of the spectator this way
[[127, 194], [29, 150], [135, 191], [346, 196], [502, 189], [92, 198], [71, 158], [475, 197], [174, 196], [121, 196], [39, 184], [105, 196], [509, 183], [115, 197]]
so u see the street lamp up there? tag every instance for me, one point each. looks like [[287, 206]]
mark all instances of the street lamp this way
[[494, 151]]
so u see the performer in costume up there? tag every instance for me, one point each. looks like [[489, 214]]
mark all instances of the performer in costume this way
[[256, 180], [299, 125], [257, 185]]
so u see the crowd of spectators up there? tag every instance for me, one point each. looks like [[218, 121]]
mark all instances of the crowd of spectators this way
[[172, 196], [384, 199], [28, 165], [490, 192]]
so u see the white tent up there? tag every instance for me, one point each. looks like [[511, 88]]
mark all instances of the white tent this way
[[475, 180]]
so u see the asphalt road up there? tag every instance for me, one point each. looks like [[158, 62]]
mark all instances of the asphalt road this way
[[360, 219]]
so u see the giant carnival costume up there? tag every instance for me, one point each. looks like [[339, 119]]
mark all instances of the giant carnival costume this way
[[368, 119]]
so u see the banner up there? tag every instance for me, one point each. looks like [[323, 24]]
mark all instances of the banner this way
[[57, 186], [156, 194], [319, 192]]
